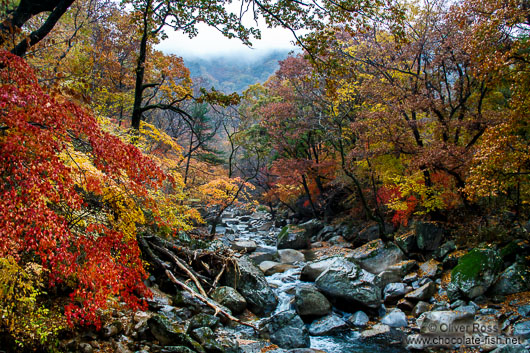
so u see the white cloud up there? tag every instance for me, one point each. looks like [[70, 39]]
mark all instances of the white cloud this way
[[210, 42]]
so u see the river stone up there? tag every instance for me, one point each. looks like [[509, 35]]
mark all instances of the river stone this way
[[166, 334], [267, 265], [287, 330], [420, 308], [424, 292], [250, 282], [522, 329], [394, 291], [292, 237], [437, 322], [359, 319], [310, 303], [429, 235], [259, 257], [405, 304], [403, 267], [229, 297], [327, 325], [312, 270], [376, 257], [346, 282], [515, 279], [278, 268], [430, 269], [382, 334], [395, 318], [476, 271], [289, 256], [244, 245]]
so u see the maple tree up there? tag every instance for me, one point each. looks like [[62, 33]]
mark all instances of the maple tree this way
[[74, 193]]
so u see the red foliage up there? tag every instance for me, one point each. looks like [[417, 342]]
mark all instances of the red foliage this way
[[37, 190]]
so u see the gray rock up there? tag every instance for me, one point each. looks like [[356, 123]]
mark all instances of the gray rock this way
[[287, 330], [346, 282], [229, 297], [395, 318], [405, 305], [289, 256], [244, 245], [437, 322], [444, 249], [429, 235], [420, 308], [312, 227], [267, 265], [403, 267], [515, 279], [424, 292], [394, 291], [312, 270], [203, 320], [382, 334], [359, 319], [327, 325], [430, 269], [367, 234], [310, 303], [167, 335], [522, 329], [511, 349], [406, 242], [524, 310], [375, 257], [293, 237], [208, 340], [476, 271], [259, 257], [249, 281]]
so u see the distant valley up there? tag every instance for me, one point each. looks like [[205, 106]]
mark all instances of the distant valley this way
[[234, 73]]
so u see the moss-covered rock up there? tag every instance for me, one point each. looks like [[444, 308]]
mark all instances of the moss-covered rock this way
[[170, 335], [230, 298], [476, 271]]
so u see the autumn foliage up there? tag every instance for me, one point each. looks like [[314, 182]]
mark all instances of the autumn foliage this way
[[60, 172]]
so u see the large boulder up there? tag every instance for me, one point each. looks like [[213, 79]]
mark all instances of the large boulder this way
[[293, 237], [407, 242], [515, 279], [395, 291], [248, 280], [310, 303], [376, 257], [312, 270], [476, 271], [287, 330], [429, 235], [327, 325], [229, 297], [244, 245], [346, 283]]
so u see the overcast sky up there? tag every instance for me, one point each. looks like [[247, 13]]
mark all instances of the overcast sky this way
[[210, 43]]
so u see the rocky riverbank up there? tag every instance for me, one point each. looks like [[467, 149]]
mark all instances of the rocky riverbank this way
[[307, 288]]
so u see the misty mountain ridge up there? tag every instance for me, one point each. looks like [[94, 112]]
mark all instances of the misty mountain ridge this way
[[233, 72]]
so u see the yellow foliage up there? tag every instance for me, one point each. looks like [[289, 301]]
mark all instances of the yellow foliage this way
[[27, 322]]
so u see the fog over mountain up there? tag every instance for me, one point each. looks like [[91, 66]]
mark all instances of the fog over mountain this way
[[234, 72]]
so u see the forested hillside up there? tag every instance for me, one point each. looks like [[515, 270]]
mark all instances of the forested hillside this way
[[364, 194], [234, 73]]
